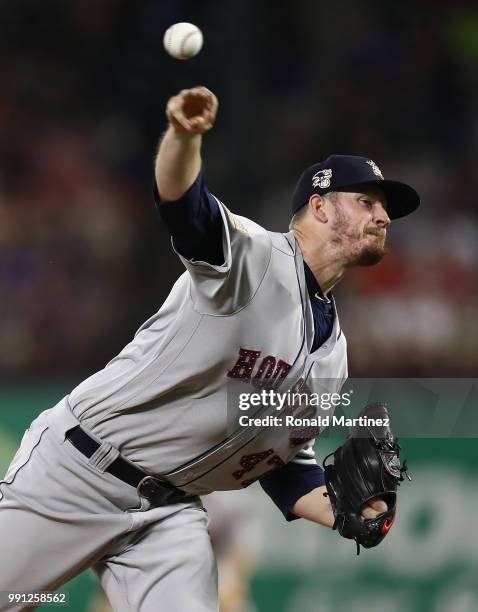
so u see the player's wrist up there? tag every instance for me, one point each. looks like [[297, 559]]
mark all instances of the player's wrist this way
[[178, 133], [315, 507]]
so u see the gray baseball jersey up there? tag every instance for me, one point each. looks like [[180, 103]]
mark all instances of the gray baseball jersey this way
[[163, 400]]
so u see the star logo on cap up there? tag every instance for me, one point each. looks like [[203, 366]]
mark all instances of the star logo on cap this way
[[375, 168]]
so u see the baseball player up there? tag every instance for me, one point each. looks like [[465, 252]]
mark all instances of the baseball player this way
[[110, 477]]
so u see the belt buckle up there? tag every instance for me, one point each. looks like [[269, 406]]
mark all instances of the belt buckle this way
[[155, 490]]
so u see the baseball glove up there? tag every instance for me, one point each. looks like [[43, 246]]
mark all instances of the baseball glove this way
[[365, 467]]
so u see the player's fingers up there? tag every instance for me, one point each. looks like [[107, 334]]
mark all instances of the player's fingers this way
[[203, 95], [196, 124], [369, 513], [210, 99], [177, 117], [213, 105], [196, 94], [200, 91], [199, 125], [379, 505], [193, 110], [203, 118], [209, 117], [373, 509], [175, 113]]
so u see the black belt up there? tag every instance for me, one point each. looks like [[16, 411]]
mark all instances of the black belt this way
[[150, 487]]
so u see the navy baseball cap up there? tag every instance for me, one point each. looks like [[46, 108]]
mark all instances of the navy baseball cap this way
[[341, 172]]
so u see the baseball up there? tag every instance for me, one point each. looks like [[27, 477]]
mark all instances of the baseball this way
[[183, 40]]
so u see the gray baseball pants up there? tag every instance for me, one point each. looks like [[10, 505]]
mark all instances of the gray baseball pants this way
[[61, 513]]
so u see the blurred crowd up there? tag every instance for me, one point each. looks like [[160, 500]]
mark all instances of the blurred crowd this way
[[83, 86]]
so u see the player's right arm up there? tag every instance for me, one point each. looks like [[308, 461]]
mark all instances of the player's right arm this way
[[190, 114], [226, 255], [187, 209]]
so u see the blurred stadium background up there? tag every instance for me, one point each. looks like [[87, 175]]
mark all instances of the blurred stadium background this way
[[83, 259]]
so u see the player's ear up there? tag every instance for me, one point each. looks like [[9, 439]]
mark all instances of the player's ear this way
[[317, 208]]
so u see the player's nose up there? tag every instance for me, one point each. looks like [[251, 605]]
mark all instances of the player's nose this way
[[380, 216]]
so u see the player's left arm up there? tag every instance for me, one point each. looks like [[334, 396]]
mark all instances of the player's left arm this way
[[298, 488], [315, 506]]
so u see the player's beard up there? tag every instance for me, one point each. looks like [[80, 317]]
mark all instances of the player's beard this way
[[358, 249]]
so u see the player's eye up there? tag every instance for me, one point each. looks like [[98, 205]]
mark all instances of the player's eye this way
[[367, 202]]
